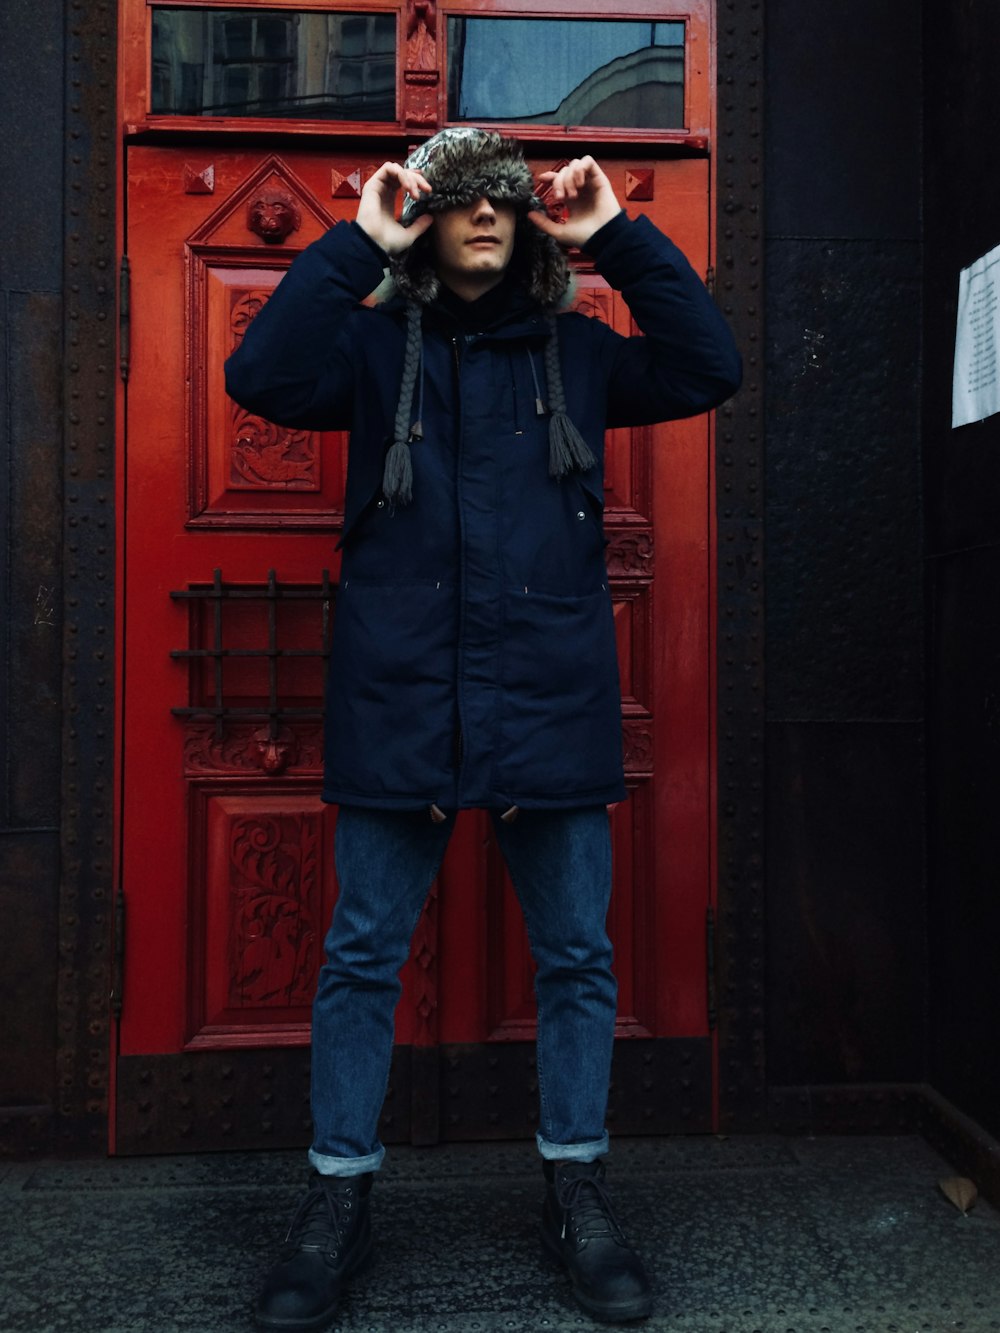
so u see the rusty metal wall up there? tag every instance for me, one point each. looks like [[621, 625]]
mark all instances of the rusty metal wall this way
[[31, 315], [57, 100], [89, 382], [740, 936]]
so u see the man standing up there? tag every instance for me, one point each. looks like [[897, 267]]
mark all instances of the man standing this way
[[473, 658]]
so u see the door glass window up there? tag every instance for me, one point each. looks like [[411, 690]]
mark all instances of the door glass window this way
[[617, 74], [253, 62]]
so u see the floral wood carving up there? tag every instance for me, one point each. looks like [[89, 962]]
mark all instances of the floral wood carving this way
[[273, 884], [421, 106], [630, 554], [264, 456], [421, 36], [245, 308], [245, 748], [273, 216], [637, 743], [420, 73]]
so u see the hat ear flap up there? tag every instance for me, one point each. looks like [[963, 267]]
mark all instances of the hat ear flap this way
[[541, 265], [550, 277], [414, 275]]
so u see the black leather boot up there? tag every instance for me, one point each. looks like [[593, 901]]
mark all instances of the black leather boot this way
[[581, 1232], [329, 1239]]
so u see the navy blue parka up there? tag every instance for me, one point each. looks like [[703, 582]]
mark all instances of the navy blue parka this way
[[473, 656]]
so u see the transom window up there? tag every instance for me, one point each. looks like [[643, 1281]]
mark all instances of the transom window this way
[[619, 74], [274, 63]]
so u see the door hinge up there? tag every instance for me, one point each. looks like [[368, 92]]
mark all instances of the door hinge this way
[[710, 280], [124, 317], [118, 965], [710, 997]]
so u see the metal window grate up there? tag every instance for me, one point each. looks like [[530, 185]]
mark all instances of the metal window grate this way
[[274, 712]]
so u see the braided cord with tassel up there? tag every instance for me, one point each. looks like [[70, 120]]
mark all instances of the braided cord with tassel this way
[[397, 479], [568, 450]]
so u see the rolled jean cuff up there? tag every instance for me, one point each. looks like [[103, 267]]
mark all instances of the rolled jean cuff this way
[[345, 1166], [573, 1152]]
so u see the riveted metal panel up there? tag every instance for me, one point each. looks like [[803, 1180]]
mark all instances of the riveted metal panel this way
[[202, 1101], [739, 291], [847, 1108], [90, 366], [657, 1087], [30, 561], [205, 1100]]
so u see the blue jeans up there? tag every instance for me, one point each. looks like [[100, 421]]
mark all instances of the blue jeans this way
[[560, 864]]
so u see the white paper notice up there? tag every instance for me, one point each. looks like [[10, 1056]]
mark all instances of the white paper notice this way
[[976, 385]]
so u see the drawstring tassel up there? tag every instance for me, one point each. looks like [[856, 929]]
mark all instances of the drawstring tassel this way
[[568, 450], [397, 479]]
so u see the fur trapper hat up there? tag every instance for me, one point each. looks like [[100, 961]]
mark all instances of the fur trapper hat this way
[[463, 164]]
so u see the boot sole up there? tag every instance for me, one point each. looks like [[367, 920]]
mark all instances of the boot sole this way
[[321, 1320], [605, 1312]]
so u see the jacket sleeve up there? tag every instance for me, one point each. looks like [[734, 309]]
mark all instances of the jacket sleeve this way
[[686, 362], [295, 364]]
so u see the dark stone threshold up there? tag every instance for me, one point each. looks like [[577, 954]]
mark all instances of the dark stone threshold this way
[[892, 1108]]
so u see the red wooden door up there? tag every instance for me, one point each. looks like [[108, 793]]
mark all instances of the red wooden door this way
[[228, 581]]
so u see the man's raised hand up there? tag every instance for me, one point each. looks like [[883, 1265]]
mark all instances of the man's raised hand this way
[[377, 209], [585, 192]]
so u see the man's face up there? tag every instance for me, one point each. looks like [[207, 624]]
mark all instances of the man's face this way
[[473, 245]]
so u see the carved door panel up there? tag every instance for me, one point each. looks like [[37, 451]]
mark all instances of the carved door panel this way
[[228, 588]]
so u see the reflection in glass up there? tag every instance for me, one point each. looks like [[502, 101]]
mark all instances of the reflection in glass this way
[[618, 74], [274, 63]]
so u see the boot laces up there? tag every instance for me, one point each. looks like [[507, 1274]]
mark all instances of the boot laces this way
[[587, 1209], [323, 1216]]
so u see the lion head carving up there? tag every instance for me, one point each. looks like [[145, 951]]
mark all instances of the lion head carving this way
[[273, 216]]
